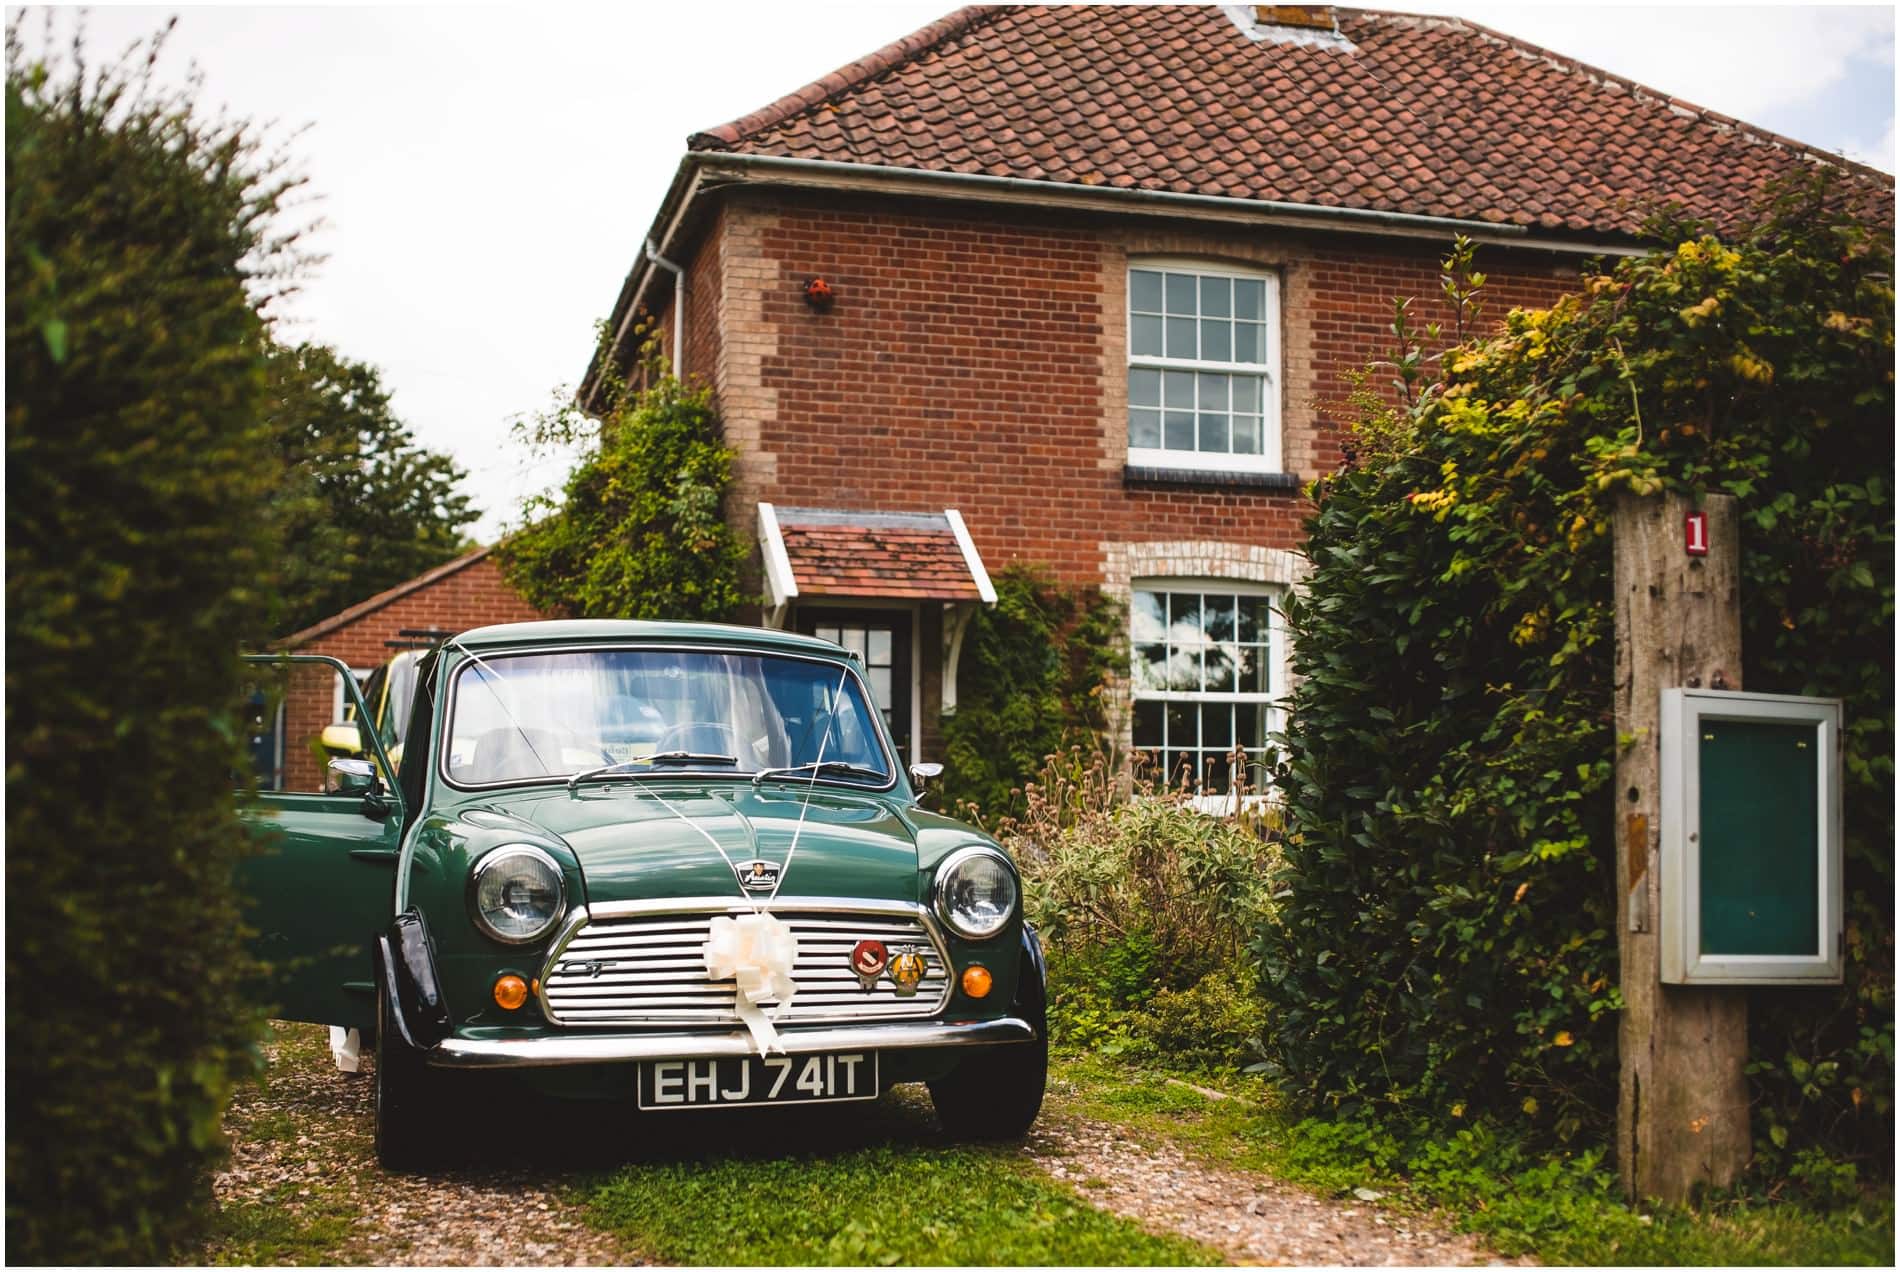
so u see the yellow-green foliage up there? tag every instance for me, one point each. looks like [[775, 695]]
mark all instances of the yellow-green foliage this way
[[1446, 936], [138, 474]]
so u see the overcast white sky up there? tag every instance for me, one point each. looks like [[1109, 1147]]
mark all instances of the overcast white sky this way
[[487, 174]]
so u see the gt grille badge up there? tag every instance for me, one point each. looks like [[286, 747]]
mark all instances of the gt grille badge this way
[[906, 970], [868, 961], [757, 876]]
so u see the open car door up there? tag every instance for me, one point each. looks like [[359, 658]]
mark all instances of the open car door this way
[[322, 883]]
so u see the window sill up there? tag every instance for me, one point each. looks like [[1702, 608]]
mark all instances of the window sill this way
[[1150, 475]]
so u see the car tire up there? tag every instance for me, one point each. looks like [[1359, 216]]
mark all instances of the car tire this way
[[994, 1093], [409, 1131]]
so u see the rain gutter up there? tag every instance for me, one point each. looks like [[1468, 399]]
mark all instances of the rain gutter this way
[[712, 169]]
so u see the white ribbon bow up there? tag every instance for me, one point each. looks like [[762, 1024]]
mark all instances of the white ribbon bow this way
[[758, 951]]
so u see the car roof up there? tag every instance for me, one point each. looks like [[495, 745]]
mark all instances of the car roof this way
[[631, 632]]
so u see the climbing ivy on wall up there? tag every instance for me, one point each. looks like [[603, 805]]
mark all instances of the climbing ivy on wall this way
[[1031, 682], [640, 528], [1445, 943]]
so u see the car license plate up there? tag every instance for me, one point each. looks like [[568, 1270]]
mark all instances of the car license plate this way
[[731, 1081]]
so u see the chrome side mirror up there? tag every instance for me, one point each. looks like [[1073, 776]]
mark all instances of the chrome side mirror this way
[[353, 777], [925, 772], [359, 777]]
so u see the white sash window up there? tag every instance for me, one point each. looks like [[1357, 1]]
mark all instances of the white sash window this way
[[1203, 368], [1208, 660]]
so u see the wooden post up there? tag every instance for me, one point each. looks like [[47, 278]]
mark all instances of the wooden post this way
[[1682, 1118]]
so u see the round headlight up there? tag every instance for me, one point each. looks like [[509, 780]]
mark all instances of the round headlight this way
[[976, 892], [516, 894]]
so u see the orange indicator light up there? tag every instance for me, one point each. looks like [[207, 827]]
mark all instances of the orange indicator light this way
[[510, 992], [976, 980]]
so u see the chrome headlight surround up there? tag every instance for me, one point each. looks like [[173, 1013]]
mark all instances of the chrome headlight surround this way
[[942, 889], [485, 871]]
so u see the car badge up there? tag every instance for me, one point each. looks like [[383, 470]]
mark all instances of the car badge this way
[[906, 970], [757, 876], [868, 961]]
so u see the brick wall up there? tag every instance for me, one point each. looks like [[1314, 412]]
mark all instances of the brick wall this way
[[459, 596], [976, 359], [705, 265], [979, 363]]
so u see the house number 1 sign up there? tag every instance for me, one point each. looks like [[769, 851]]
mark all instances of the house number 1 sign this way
[[1695, 533]]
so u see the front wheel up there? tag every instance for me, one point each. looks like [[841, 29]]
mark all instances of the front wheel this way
[[994, 1093], [408, 1130]]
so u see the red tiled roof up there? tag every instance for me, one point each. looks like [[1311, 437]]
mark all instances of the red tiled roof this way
[[900, 556], [1421, 115]]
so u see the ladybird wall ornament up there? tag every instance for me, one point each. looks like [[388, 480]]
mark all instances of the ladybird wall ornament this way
[[818, 294]]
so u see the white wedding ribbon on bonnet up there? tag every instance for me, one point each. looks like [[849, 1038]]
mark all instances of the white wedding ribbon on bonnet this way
[[758, 951]]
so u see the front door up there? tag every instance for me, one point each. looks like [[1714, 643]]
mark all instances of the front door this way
[[882, 639], [322, 884]]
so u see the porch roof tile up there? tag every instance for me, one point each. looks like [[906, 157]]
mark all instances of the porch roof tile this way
[[903, 556]]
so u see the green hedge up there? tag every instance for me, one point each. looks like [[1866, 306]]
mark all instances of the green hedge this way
[[1445, 941], [137, 474]]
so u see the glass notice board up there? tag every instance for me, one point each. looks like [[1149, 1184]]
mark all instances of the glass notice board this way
[[1750, 876]]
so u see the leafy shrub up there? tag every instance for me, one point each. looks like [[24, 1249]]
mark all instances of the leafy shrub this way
[[1216, 1023], [1030, 684], [139, 241], [640, 531], [1445, 933], [1146, 909]]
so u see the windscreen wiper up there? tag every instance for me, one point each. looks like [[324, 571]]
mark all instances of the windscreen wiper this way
[[822, 766], [634, 768]]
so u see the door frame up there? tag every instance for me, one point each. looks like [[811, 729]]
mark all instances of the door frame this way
[[868, 606]]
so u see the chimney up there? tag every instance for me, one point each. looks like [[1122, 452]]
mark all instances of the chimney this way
[[1303, 17]]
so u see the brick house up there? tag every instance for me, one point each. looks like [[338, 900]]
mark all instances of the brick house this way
[[466, 592], [1092, 275]]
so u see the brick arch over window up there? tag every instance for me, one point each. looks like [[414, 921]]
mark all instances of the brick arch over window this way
[[1198, 558]]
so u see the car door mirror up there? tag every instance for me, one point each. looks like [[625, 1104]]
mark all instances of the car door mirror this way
[[925, 772], [359, 777], [353, 777]]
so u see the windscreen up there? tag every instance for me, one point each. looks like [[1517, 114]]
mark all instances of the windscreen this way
[[518, 717]]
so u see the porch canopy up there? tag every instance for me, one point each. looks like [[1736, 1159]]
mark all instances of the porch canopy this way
[[908, 558]]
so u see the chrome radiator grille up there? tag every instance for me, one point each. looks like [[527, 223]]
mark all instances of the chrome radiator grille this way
[[647, 969]]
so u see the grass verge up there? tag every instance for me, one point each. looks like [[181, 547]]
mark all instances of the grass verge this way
[[282, 1230], [878, 1187], [1561, 1209], [291, 1216]]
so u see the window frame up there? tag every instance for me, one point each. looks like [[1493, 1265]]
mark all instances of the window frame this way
[[1279, 663], [1271, 455]]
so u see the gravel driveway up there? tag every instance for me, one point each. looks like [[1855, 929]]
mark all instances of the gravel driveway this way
[[303, 1186]]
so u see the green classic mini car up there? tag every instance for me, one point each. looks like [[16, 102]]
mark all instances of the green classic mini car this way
[[672, 864]]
